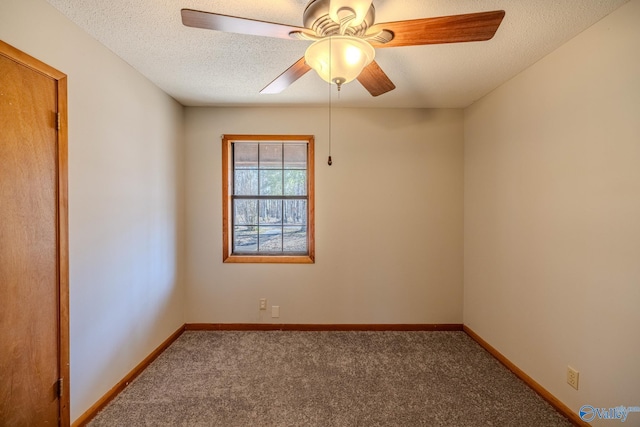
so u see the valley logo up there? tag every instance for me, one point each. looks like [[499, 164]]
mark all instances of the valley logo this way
[[589, 413]]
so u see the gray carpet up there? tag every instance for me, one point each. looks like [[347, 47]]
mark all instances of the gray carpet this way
[[327, 379]]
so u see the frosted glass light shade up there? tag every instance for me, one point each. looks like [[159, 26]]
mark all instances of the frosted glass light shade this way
[[339, 59]]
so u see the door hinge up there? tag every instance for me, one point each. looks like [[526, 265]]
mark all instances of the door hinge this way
[[59, 386], [58, 125]]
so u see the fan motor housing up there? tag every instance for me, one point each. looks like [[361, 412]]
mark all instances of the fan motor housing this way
[[316, 17]]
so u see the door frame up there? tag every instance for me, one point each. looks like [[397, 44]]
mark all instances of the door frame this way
[[62, 213]]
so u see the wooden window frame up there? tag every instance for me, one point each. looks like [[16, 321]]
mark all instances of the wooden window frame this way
[[227, 169]]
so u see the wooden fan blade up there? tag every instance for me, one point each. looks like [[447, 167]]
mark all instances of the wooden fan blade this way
[[234, 24], [375, 80], [444, 29], [284, 80]]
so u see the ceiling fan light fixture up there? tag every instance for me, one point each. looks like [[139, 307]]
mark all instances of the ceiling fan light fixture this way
[[339, 59]]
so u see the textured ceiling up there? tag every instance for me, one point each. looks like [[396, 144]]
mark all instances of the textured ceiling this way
[[203, 67]]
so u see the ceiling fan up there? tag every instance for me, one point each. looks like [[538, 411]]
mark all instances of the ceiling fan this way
[[344, 35]]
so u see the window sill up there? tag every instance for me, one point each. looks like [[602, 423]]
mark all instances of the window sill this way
[[275, 259]]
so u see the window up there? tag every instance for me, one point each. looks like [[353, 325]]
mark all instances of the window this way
[[268, 198]]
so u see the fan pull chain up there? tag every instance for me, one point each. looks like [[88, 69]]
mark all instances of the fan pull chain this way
[[329, 161]]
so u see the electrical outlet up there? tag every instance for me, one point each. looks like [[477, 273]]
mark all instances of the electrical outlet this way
[[275, 311], [263, 303], [572, 377]]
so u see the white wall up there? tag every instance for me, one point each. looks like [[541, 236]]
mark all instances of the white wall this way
[[552, 216], [388, 219], [125, 180]]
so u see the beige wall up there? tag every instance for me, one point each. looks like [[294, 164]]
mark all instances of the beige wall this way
[[388, 219], [552, 216], [125, 179]]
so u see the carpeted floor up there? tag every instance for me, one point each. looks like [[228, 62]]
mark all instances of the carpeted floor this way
[[327, 379]]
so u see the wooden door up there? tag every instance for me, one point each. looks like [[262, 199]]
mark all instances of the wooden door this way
[[33, 248]]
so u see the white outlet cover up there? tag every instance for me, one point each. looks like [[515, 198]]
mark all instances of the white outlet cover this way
[[275, 311], [573, 377]]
